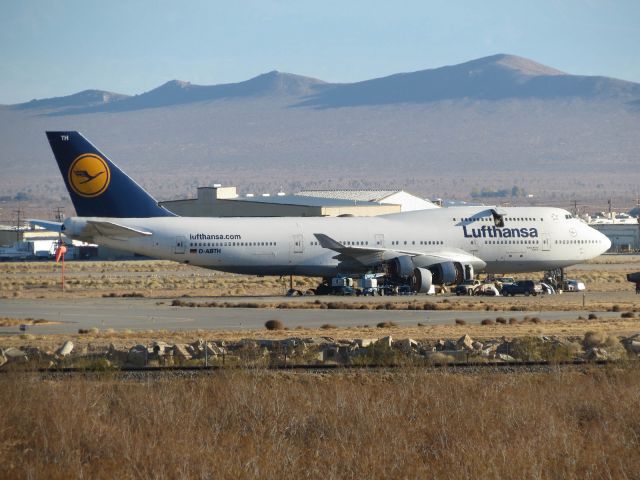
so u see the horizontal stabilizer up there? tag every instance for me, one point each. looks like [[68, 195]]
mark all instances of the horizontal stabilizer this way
[[114, 230], [46, 224]]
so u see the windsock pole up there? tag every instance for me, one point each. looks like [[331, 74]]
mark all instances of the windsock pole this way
[[60, 257]]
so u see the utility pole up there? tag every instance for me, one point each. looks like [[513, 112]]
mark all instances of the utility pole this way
[[59, 215], [609, 203], [18, 213]]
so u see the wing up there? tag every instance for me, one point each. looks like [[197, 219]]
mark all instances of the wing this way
[[367, 256], [372, 256]]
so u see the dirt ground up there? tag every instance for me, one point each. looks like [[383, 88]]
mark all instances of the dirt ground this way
[[560, 328], [606, 274], [607, 290]]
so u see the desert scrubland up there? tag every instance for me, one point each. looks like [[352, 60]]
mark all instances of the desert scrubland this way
[[408, 422], [260, 424]]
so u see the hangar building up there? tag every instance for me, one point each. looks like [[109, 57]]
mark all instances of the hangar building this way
[[407, 201], [218, 201], [624, 235]]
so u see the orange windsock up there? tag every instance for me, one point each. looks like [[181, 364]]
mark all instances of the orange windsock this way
[[60, 251]]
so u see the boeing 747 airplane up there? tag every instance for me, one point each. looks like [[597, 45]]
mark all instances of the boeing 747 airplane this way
[[436, 246]]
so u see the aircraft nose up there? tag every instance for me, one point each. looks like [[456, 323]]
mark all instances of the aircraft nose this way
[[606, 243]]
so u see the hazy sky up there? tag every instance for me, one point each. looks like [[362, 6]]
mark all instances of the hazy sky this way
[[52, 48]]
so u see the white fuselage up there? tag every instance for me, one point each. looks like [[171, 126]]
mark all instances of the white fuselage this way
[[532, 239]]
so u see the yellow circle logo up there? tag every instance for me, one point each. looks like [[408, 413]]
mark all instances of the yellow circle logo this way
[[89, 175]]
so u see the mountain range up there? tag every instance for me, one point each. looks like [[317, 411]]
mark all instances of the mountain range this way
[[497, 77], [493, 122]]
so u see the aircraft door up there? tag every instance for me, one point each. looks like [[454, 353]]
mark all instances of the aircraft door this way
[[297, 243], [379, 240], [546, 243], [180, 245]]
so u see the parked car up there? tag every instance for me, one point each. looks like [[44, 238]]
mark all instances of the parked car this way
[[504, 280], [345, 291], [573, 286], [487, 289], [467, 287], [522, 287]]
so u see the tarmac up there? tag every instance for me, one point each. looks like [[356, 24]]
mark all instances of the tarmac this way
[[156, 314]]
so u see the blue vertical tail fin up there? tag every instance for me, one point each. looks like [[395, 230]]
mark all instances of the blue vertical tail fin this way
[[98, 188]]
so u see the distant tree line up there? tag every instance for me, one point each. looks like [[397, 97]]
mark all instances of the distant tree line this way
[[485, 192]]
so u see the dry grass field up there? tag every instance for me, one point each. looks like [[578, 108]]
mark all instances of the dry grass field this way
[[153, 277], [256, 423], [163, 280], [169, 279], [261, 424]]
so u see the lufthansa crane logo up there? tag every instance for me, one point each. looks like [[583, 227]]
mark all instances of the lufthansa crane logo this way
[[89, 175]]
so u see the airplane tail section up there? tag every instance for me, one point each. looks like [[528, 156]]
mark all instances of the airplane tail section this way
[[98, 188]]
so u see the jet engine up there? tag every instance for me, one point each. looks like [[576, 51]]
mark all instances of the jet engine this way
[[447, 273], [440, 273], [401, 267], [421, 280]]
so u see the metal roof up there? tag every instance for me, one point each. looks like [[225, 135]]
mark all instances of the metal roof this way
[[306, 201], [358, 195]]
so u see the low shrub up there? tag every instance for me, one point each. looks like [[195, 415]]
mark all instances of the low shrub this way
[[459, 321], [386, 324], [534, 348], [593, 316], [274, 325], [487, 321], [627, 315], [328, 326], [501, 320], [513, 321], [593, 339], [379, 353]]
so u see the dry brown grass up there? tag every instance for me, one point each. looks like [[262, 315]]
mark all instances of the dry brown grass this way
[[259, 424], [562, 328], [14, 322], [170, 279], [154, 277]]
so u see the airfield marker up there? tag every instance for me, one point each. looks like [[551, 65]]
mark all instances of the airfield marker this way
[[60, 251]]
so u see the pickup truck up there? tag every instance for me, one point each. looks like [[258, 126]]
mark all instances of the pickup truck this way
[[522, 287], [467, 287]]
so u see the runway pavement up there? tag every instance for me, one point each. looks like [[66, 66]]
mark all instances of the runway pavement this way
[[154, 314]]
